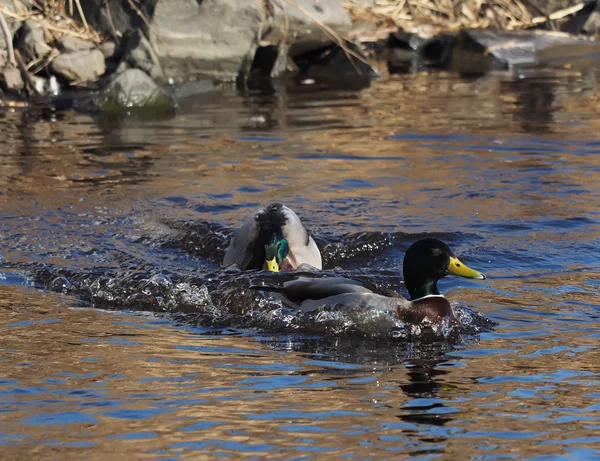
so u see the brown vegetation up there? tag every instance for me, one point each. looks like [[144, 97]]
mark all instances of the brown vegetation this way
[[449, 15]]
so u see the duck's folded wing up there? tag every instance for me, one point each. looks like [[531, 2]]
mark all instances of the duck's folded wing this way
[[304, 288], [241, 248], [351, 301]]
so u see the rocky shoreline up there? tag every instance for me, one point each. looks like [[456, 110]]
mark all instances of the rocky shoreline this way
[[122, 55]]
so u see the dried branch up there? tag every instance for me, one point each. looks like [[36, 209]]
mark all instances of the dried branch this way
[[80, 11], [25, 73], [340, 41], [9, 40], [444, 15]]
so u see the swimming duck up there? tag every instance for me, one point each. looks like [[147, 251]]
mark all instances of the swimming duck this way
[[272, 238], [426, 261]]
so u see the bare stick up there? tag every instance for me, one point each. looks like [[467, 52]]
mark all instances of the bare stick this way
[[139, 13], [25, 73], [333, 35], [8, 40], [80, 10], [115, 32]]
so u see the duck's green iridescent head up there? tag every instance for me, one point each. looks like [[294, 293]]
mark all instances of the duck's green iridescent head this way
[[427, 261], [275, 252]]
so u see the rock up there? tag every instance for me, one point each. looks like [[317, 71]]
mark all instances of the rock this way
[[592, 24], [481, 50], [70, 43], [134, 89], [297, 24], [79, 66], [188, 89], [270, 62], [30, 41], [403, 60], [138, 53], [410, 52], [218, 38], [11, 79], [584, 21], [214, 38], [331, 64], [109, 49]]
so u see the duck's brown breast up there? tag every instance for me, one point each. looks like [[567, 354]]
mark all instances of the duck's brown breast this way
[[434, 309]]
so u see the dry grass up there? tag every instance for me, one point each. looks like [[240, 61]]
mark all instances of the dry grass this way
[[442, 15], [55, 17]]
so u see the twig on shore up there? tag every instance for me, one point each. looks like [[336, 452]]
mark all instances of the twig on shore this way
[[340, 41], [80, 10], [115, 32], [559, 14], [139, 13], [25, 73], [43, 62], [9, 40]]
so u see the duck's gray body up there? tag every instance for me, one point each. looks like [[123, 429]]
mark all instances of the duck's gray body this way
[[308, 294]]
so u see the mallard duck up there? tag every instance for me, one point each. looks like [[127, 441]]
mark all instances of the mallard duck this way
[[426, 261], [274, 239]]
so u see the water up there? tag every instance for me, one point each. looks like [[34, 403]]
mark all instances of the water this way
[[122, 338]]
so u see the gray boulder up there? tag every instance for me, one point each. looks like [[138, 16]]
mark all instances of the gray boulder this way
[[11, 80], [31, 42], [481, 50], [109, 49], [70, 43], [134, 89], [138, 53], [193, 88], [297, 24], [79, 66], [592, 25], [215, 38]]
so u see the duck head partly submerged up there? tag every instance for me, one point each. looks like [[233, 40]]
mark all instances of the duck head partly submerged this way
[[276, 250], [274, 239]]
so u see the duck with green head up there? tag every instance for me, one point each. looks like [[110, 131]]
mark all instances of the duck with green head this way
[[274, 239], [425, 263]]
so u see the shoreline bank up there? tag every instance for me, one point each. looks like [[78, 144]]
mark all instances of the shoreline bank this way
[[117, 55]]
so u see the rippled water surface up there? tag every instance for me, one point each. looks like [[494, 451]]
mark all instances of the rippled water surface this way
[[122, 338]]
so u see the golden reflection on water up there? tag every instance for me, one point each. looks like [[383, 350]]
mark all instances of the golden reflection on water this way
[[509, 164], [412, 178], [230, 394]]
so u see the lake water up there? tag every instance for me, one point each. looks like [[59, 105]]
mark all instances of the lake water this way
[[122, 339]]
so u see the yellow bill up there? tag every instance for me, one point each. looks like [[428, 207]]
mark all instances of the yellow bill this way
[[271, 265], [457, 268]]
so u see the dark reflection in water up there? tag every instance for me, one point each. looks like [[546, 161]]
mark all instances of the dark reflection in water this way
[[134, 215], [423, 385]]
